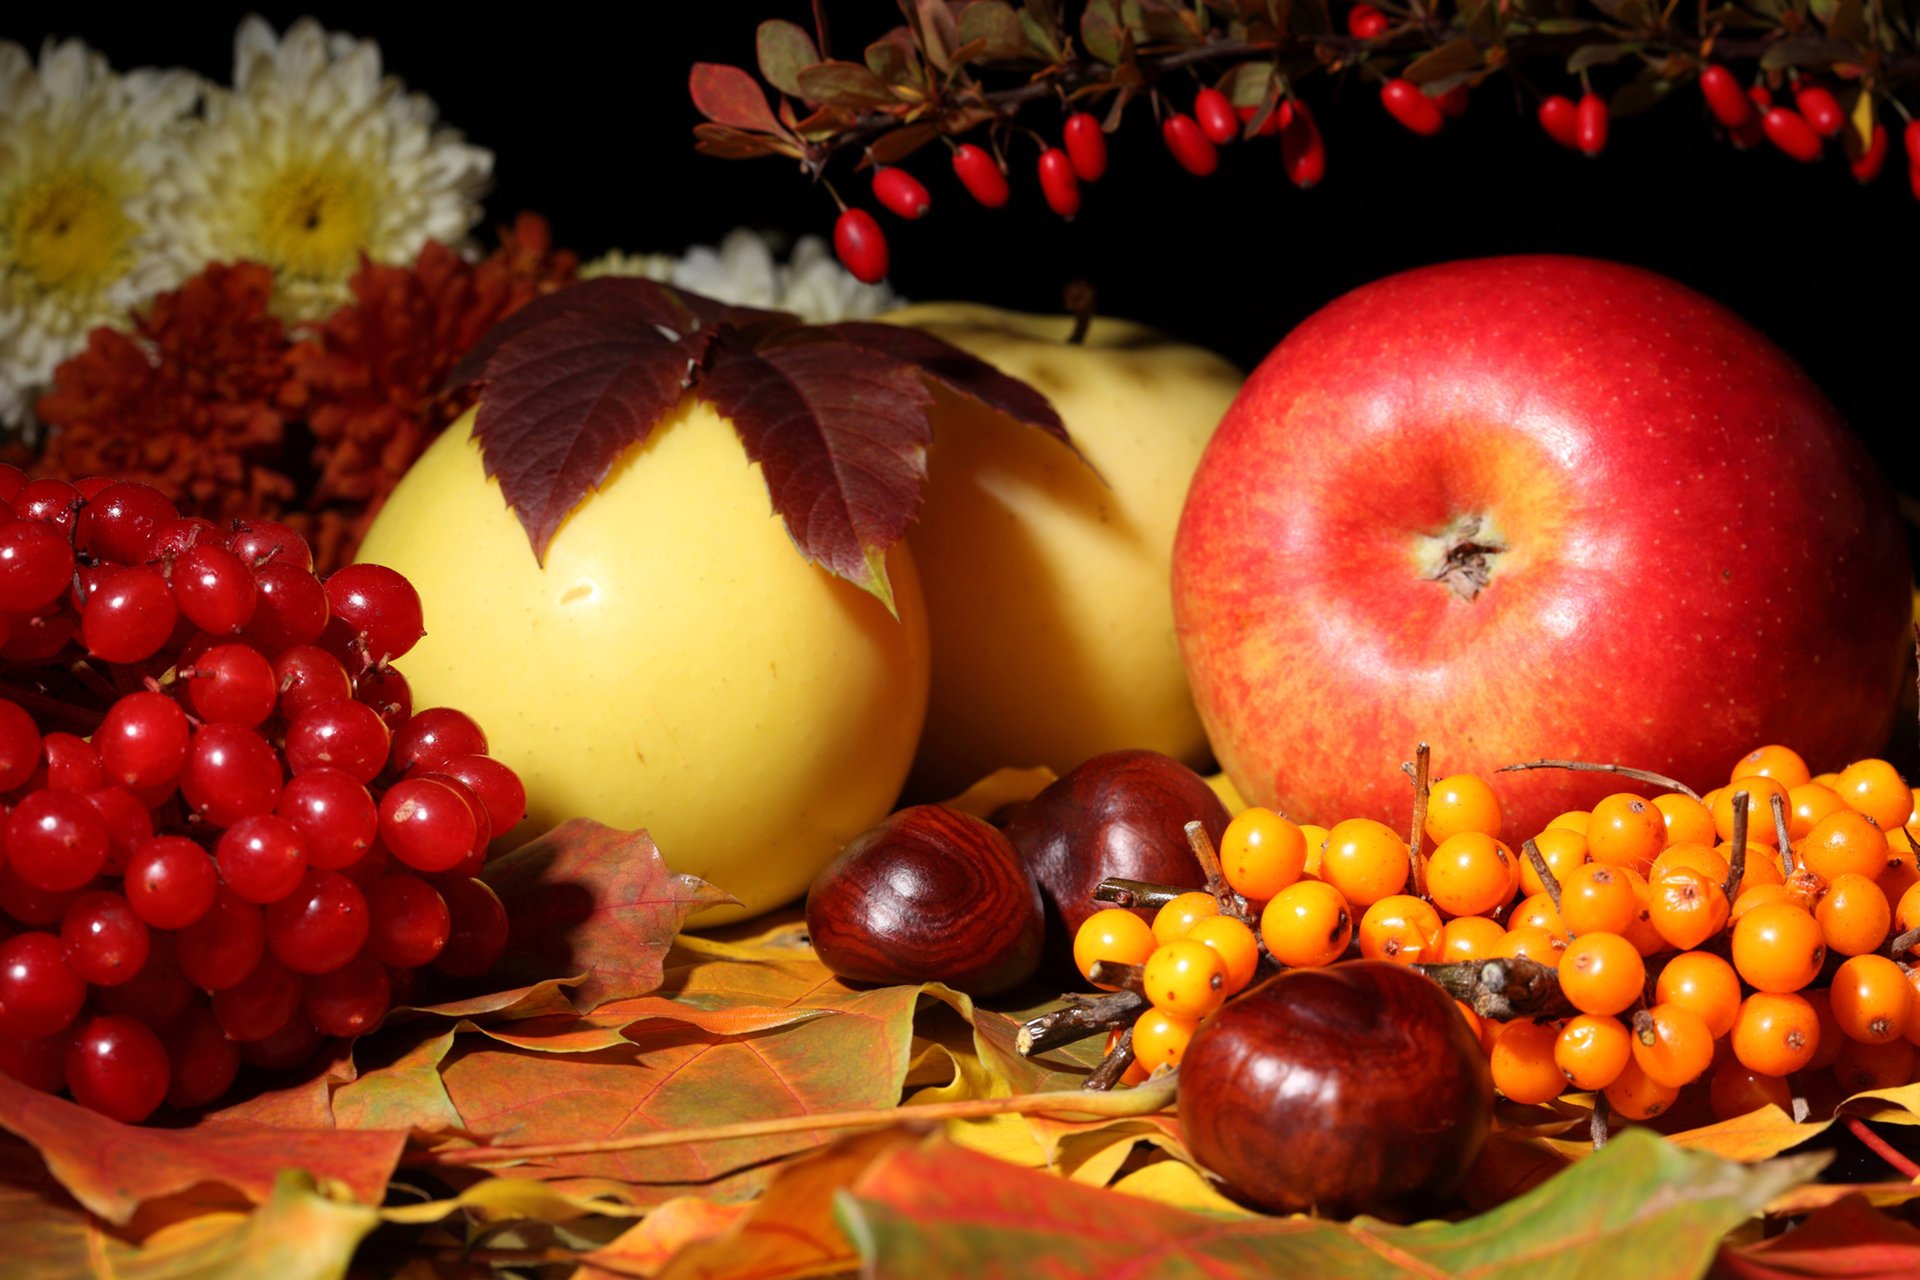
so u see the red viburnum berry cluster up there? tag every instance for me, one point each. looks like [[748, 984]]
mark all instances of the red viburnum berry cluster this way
[[227, 835]]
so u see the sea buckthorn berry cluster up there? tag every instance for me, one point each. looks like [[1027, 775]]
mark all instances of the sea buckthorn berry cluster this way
[[227, 834]]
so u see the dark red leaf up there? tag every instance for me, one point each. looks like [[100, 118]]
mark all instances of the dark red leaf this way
[[844, 84], [1850, 1240], [737, 144], [961, 373], [841, 432], [897, 144], [727, 95]]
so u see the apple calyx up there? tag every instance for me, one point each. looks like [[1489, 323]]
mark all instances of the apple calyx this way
[[1461, 556]]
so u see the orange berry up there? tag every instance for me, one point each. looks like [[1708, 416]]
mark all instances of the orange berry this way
[[1626, 830], [1844, 842], [1637, 1095], [1759, 806], [1471, 873], [1308, 923], [1403, 929], [1160, 1038], [1574, 820], [1782, 764], [1708, 862], [1735, 1089], [1365, 860], [1762, 865], [1870, 999], [1675, 1048], [1831, 1037], [1172, 921], [1906, 912], [1861, 1067], [1598, 898], [1601, 973], [1875, 788], [1853, 915], [1645, 938], [1778, 948], [1775, 1033], [1912, 1032], [1807, 804], [1562, 849], [1523, 1065], [1473, 1019], [1463, 802], [1591, 1051], [1238, 949], [1114, 935], [1704, 983], [1827, 780], [1262, 853], [1531, 943], [1687, 820], [1185, 978], [1687, 908], [1751, 898], [1470, 938], [1316, 838], [1900, 874], [1538, 912]]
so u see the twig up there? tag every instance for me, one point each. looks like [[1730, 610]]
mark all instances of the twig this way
[[1422, 766], [1737, 865], [1154, 1095], [1781, 835], [1502, 988], [1881, 1147], [1599, 1124], [1136, 893], [1202, 845], [1087, 1016], [1904, 943], [1114, 1065], [1111, 973], [1586, 766], [1548, 881]]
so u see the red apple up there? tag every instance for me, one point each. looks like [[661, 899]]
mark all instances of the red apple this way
[[1524, 507]]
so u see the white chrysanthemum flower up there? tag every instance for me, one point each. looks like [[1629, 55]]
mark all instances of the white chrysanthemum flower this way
[[315, 158], [745, 271], [89, 167]]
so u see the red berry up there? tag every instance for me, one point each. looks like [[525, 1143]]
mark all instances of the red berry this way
[[1788, 130], [159, 994], [118, 1067], [39, 995], [1086, 146], [129, 617], [290, 608], [203, 1062], [1750, 133], [1866, 165], [235, 684], [478, 933], [102, 941], [320, 925], [19, 745], [861, 244], [981, 175], [1364, 22], [1590, 124], [1213, 112], [120, 522], [173, 537], [143, 740], [426, 824], [51, 502], [223, 946], [263, 542], [499, 788], [36, 564], [1302, 151], [306, 677], [434, 737], [336, 818], [900, 193], [56, 840], [1558, 118], [410, 922], [128, 821], [214, 589], [1911, 139], [39, 1064], [72, 764], [349, 736], [1725, 99], [1453, 103], [261, 857], [230, 773], [291, 1046], [29, 905], [351, 1000], [1406, 103], [1058, 183], [170, 881], [376, 614], [1189, 144], [260, 1003], [1821, 109], [387, 692]]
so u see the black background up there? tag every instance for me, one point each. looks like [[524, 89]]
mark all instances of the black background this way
[[586, 110]]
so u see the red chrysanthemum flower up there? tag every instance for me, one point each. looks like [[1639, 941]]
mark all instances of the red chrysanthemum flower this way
[[369, 378], [189, 402]]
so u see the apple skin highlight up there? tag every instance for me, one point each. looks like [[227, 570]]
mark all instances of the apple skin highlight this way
[[1532, 507]]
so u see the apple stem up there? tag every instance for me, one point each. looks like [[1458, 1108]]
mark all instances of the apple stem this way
[[1588, 766], [1085, 1016], [1079, 298], [1422, 771], [1549, 881], [1598, 1126], [1737, 864], [1502, 988], [1780, 833], [1114, 1065]]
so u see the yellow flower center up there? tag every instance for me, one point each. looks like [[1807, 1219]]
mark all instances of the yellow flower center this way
[[314, 221], [68, 233]]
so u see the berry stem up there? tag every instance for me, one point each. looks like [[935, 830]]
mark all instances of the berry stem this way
[[1146, 1099], [51, 712], [1111, 973], [1231, 903], [1780, 834], [1737, 864], [1880, 1147], [1114, 1065], [1084, 1016], [1903, 943], [1121, 892], [1079, 298], [1502, 988], [1587, 766], [1548, 880], [1599, 1124], [1422, 773]]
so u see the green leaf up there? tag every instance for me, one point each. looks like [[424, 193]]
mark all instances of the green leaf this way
[[843, 84], [894, 59], [1599, 55], [1450, 59], [1100, 31], [1040, 20], [996, 26], [784, 48], [1640, 1208], [1808, 51]]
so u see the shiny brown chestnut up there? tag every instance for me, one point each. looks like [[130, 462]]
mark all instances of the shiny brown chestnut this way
[[1357, 1088], [1120, 814], [929, 895]]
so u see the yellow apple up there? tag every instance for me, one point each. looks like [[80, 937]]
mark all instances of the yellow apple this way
[[675, 665], [1048, 590]]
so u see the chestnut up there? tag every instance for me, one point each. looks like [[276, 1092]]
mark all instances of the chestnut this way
[[929, 895], [1357, 1088], [1120, 814]]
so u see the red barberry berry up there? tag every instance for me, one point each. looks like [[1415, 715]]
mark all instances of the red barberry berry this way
[[1558, 118], [1454, 102], [1086, 146], [1406, 103], [1364, 22], [1725, 98], [900, 193], [1058, 182], [1303, 153], [861, 245], [981, 175], [1590, 124], [1189, 144], [1866, 163], [1213, 112], [1821, 109], [1788, 130]]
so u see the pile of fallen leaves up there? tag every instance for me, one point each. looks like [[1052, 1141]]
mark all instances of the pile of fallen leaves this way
[[622, 1100]]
